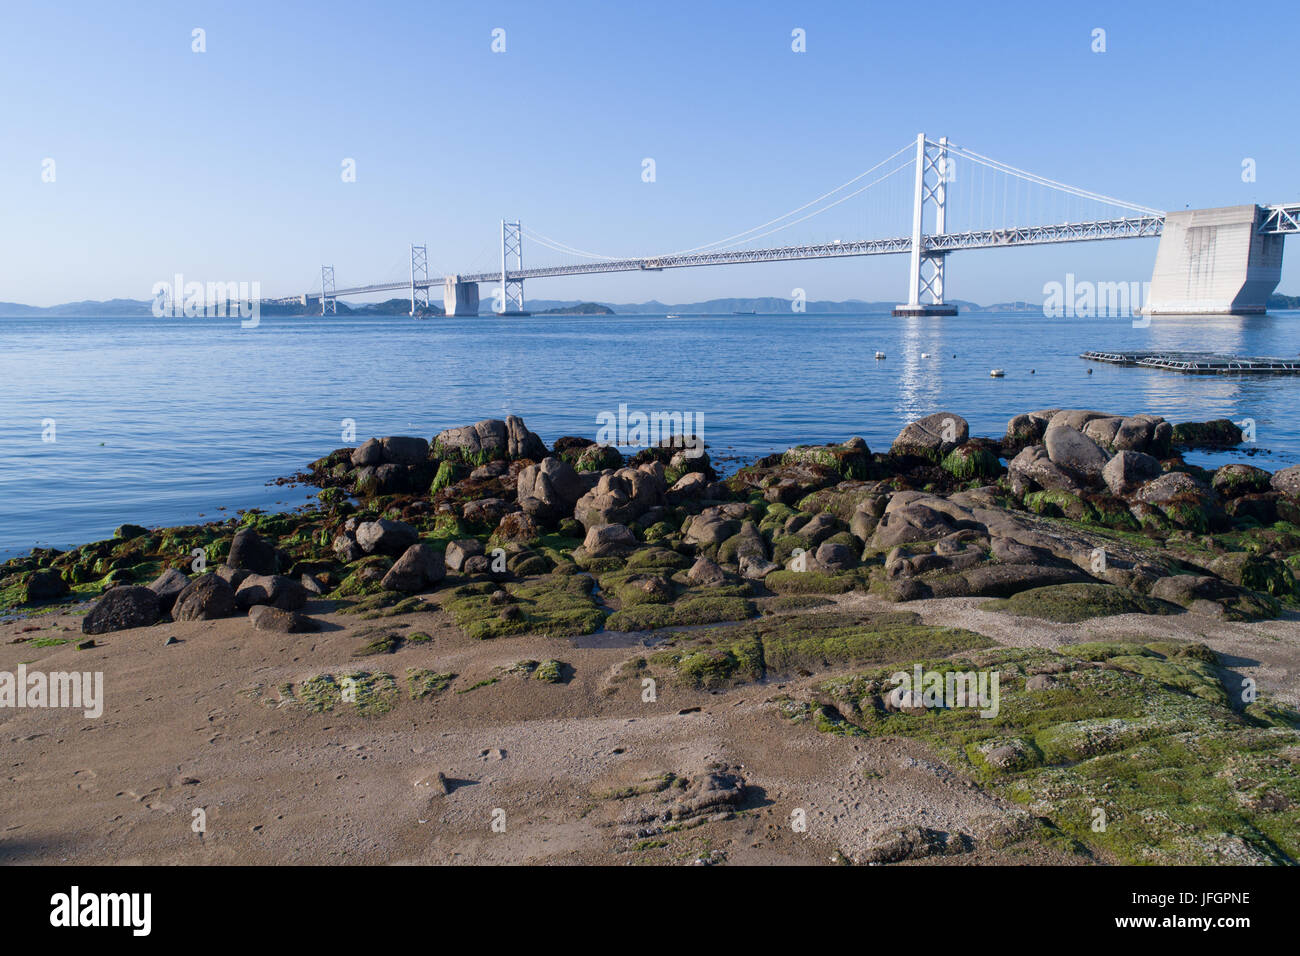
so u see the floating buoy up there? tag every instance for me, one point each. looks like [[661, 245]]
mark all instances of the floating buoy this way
[[880, 355], [997, 372]]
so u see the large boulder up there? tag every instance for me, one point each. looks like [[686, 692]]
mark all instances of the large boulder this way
[[620, 497], [459, 553], [45, 584], [748, 549], [1145, 433], [931, 437], [518, 527], [1129, 470], [1183, 500], [486, 511], [206, 598], [834, 556], [1027, 429], [168, 587], [419, 567], [264, 617], [911, 522], [609, 540], [489, 439], [369, 452], [122, 608], [1033, 469], [404, 450], [714, 524], [249, 552], [852, 459], [549, 490], [274, 589], [781, 482], [1234, 481], [1075, 453], [385, 536], [1287, 481], [705, 573], [693, 484]]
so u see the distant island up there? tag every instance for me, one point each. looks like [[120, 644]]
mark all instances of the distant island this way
[[582, 308]]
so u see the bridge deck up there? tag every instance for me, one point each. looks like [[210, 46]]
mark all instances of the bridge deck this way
[[1139, 227]]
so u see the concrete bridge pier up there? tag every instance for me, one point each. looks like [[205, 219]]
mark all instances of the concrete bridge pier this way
[[459, 298], [1214, 262]]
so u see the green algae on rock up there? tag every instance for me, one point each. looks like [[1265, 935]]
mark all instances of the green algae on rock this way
[[1070, 603], [556, 605], [1148, 740], [817, 640]]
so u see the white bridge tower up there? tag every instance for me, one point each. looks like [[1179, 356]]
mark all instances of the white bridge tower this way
[[934, 171]]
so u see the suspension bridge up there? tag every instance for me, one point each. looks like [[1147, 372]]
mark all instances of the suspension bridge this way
[[1220, 260]]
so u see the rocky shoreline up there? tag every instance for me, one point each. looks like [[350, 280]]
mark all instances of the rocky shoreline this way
[[1082, 497], [802, 566]]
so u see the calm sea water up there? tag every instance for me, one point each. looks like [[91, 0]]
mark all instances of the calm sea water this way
[[161, 421]]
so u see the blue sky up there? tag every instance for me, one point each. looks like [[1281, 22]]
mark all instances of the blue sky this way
[[225, 165]]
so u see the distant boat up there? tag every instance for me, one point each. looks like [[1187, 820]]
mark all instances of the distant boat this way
[[673, 315], [744, 313]]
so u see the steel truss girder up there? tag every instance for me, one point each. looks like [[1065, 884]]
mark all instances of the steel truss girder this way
[[1139, 227], [1136, 228], [1281, 220]]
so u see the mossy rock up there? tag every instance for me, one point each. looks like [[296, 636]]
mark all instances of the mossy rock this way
[[556, 605], [365, 693], [384, 604], [364, 577], [778, 646], [785, 545], [552, 672], [657, 559], [378, 641], [811, 582], [972, 461], [1219, 433], [1071, 603], [850, 460], [1256, 572], [774, 518], [422, 683], [1061, 504], [687, 611]]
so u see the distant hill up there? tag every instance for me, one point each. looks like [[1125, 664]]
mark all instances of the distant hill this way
[[767, 305]]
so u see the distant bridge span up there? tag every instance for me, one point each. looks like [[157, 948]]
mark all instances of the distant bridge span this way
[[1210, 260]]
